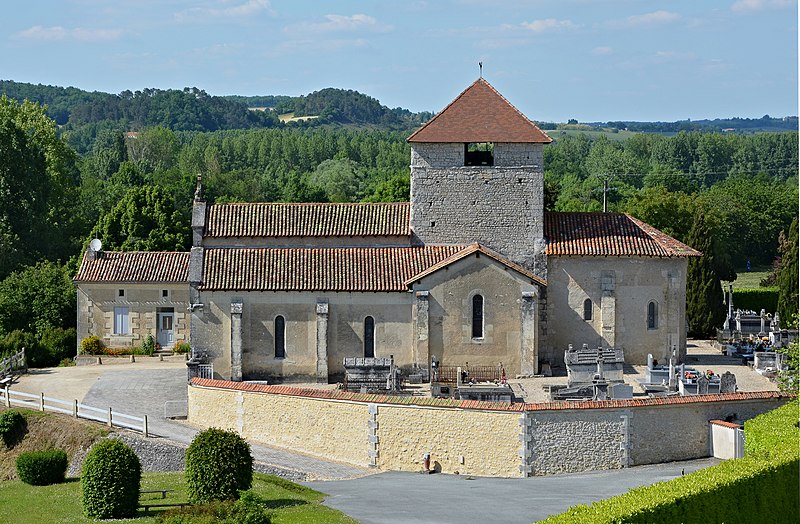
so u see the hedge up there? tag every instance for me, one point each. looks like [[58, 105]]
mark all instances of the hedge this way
[[756, 299], [12, 427], [42, 468], [761, 487], [110, 481], [218, 466]]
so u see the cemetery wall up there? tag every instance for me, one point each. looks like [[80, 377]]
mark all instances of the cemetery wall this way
[[470, 437]]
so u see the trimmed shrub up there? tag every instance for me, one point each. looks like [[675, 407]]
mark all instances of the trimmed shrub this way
[[218, 466], [767, 475], [110, 481], [42, 468], [12, 427], [756, 299], [92, 346]]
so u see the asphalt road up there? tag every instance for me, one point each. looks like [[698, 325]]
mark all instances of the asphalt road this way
[[409, 498]]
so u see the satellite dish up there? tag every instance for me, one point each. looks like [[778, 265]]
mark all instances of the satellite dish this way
[[96, 245]]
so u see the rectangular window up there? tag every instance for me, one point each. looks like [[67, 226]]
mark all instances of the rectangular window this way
[[121, 326], [165, 293], [121, 293], [479, 154]]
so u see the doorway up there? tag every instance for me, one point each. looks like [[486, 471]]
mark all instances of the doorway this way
[[165, 329]]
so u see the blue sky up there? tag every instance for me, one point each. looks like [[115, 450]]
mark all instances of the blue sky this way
[[594, 60]]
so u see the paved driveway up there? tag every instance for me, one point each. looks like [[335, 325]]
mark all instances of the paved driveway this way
[[401, 498]]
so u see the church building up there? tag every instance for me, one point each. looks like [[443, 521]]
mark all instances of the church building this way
[[471, 270]]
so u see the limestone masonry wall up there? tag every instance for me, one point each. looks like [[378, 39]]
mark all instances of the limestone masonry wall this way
[[501, 206], [470, 437]]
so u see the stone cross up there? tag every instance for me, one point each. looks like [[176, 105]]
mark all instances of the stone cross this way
[[727, 383]]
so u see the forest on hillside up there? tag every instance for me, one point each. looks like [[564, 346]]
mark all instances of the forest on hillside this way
[[134, 191]]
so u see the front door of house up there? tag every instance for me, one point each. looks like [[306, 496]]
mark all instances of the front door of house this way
[[166, 330]]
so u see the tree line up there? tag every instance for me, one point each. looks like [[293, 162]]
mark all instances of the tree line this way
[[135, 191]]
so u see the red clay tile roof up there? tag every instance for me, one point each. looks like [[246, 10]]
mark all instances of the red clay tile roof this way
[[480, 114], [609, 235], [477, 248], [307, 220], [135, 266], [317, 269], [483, 405]]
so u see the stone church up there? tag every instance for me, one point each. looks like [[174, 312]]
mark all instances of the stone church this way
[[472, 270]]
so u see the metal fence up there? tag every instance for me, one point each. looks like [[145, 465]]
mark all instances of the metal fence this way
[[205, 371], [449, 374], [42, 403]]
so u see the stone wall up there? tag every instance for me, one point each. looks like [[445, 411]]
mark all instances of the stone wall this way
[[450, 293], [470, 437], [470, 442], [344, 335], [96, 303], [287, 422], [500, 207], [620, 290]]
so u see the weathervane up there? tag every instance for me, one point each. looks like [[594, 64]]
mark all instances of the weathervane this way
[[480, 66]]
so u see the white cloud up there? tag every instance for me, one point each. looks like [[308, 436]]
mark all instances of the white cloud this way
[[742, 6], [647, 19], [78, 34], [602, 50], [248, 8], [548, 24], [357, 22]]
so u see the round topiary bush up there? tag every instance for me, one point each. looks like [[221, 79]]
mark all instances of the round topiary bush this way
[[110, 481], [218, 466], [92, 346], [12, 427], [42, 468]]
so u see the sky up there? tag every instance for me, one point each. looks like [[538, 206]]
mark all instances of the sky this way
[[592, 60]]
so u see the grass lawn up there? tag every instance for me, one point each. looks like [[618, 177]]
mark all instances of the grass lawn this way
[[61, 503], [749, 280]]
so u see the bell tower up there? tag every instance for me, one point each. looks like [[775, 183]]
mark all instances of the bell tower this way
[[477, 176]]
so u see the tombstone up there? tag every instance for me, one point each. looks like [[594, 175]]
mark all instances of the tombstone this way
[[702, 385], [727, 383], [620, 391]]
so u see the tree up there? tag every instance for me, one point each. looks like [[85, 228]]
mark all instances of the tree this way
[[705, 310], [38, 187], [144, 220], [788, 278], [394, 189], [36, 299]]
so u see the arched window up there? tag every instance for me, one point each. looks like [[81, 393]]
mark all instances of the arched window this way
[[477, 316], [587, 309], [280, 337], [652, 315], [369, 337]]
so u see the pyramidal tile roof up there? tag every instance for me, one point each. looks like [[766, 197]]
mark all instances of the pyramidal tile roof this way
[[307, 220], [135, 267], [480, 114], [609, 235]]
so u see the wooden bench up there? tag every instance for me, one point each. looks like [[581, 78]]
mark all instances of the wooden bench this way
[[147, 506], [162, 491]]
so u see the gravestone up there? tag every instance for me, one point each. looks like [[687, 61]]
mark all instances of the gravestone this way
[[727, 383], [702, 385]]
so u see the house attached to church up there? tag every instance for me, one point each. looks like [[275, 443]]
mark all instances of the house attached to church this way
[[471, 270]]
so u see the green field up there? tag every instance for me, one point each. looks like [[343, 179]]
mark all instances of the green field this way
[[749, 280], [287, 502], [620, 136]]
